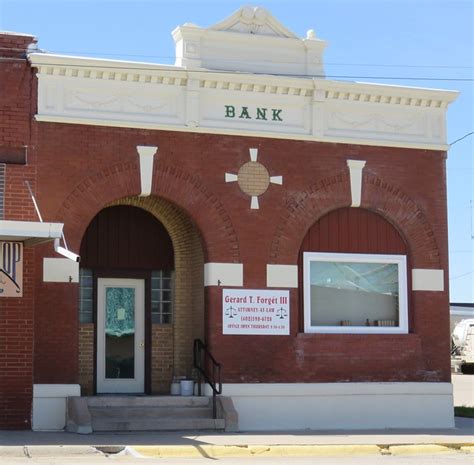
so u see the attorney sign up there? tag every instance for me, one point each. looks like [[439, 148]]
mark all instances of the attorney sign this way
[[257, 312]]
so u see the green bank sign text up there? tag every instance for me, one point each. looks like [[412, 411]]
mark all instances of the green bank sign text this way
[[264, 114]]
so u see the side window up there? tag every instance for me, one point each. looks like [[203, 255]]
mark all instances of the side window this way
[[85, 295], [162, 297]]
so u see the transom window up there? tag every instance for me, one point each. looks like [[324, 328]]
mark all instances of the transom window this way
[[355, 293]]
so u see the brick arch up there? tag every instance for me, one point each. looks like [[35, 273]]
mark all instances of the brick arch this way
[[332, 193], [395, 205], [171, 183], [205, 208], [303, 210]]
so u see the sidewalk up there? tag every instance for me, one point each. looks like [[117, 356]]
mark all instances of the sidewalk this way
[[172, 444]]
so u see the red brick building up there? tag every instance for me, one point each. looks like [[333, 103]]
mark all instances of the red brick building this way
[[296, 225]]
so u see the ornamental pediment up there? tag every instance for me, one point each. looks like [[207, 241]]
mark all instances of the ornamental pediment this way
[[253, 20]]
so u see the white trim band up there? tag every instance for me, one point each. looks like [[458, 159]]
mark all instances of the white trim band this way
[[427, 280], [282, 276], [223, 274], [122, 123], [296, 406]]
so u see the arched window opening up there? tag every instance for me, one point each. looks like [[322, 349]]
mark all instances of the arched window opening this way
[[354, 275]]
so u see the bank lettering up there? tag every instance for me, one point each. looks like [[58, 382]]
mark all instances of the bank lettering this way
[[11, 269], [263, 114]]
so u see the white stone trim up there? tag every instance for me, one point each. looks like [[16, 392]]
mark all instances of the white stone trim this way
[[254, 205], [146, 156], [60, 270], [253, 154], [427, 280], [282, 276], [355, 173], [49, 405], [297, 406], [56, 390], [230, 177], [223, 274]]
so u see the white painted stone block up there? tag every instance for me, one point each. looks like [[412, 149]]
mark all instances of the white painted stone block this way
[[223, 274], [60, 270], [427, 280], [282, 276]]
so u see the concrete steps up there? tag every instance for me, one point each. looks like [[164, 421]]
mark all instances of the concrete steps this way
[[145, 413]]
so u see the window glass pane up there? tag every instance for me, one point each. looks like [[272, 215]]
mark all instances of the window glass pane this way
[[85, 295], [162, 297], [354, 294], [86, 306], [120, 332]]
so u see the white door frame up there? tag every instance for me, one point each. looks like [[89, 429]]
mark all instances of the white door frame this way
[[121, 385]]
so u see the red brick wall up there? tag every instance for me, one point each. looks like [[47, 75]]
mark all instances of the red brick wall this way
[[99, 165], [56, 327], [17, 314]]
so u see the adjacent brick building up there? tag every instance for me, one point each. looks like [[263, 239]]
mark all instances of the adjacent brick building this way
[[192, 193]]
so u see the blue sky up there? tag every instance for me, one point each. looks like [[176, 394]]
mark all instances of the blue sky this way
[[420, 43]]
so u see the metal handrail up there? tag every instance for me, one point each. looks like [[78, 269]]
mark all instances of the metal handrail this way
[[201, 356]]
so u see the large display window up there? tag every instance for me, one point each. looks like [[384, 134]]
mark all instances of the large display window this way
[[355, 293]]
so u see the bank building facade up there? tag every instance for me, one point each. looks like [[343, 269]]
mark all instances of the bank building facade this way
[[234, 234]]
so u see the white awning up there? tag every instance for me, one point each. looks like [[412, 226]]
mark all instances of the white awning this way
[[29, 232]]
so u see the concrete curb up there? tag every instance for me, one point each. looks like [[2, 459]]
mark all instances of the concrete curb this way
[[214, 451], [47, 451], [219, 451]]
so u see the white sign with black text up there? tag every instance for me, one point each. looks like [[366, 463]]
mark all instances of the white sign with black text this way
[[257, 312]]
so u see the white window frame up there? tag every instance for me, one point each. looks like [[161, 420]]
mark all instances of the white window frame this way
[[399, 260]]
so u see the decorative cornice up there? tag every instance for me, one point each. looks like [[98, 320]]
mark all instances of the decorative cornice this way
[[323, 89]]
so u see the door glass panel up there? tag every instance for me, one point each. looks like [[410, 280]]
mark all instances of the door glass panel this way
[[120, 332]]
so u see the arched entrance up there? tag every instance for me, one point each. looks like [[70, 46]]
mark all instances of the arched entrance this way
[[141, 299]]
